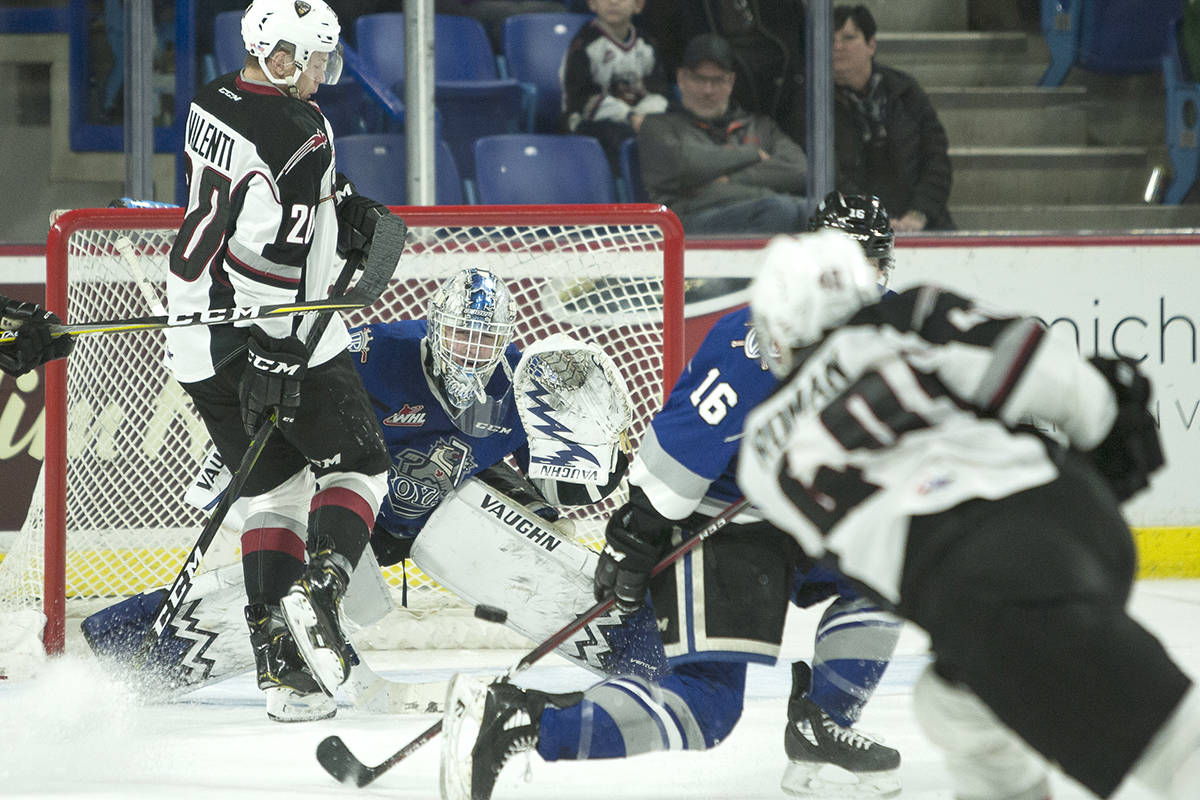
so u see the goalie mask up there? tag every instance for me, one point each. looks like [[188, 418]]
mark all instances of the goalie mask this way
[[864, 219], [471, 318], [806, 285], [307, 30]]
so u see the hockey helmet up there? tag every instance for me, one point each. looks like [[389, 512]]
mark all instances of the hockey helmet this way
[[862, 217], [306, 28], [471, 319], [806, 285]]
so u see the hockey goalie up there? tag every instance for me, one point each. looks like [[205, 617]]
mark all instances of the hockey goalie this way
[[455, 398]]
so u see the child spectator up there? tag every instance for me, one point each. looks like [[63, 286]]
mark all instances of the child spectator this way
[[611, 77]]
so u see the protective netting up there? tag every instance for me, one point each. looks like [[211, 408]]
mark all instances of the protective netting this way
[[134, 443]]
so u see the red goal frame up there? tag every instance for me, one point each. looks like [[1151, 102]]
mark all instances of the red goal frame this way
[[61, 229]]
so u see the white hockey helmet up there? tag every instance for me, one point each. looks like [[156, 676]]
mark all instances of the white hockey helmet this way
[[306, 27], [471, 319], [806, 285]]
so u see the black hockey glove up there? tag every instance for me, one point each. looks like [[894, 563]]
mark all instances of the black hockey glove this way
[[637, 536], [1131, 452], [272, 380], [357, 216], [34, 345]]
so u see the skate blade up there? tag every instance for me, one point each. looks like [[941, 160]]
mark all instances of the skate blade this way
[[327, 667], [284, 705], [464, 712], [829, 782]]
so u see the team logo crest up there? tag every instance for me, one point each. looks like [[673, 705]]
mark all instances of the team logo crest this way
[[418, 480], [749, 346], [407, 417], [302, 8]]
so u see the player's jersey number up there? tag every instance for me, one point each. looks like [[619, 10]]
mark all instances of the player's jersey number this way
[[713, 402], [866, 416], [203, 230]]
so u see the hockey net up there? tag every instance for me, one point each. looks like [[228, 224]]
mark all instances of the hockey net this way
[[123, 442]]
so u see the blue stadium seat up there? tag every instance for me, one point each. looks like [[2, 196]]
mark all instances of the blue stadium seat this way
[[1118, 37], [535, 168], [461, 49], [534, 47], [473, 109], [377, 164], [631, 172], [1183, 109], [229, 51]]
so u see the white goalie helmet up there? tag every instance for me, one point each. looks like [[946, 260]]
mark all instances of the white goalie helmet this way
[[471, 319], [308, 27], [806, 285]]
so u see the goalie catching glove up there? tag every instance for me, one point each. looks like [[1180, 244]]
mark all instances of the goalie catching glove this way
[[34, 345], [272, 380], [357, 216], [1131, 452], [637, 537], [575, 408]]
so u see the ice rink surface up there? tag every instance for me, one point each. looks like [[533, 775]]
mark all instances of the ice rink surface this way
[[72, 733]]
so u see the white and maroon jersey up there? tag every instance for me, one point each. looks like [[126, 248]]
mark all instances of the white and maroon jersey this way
[[260, 228], [911, 408]]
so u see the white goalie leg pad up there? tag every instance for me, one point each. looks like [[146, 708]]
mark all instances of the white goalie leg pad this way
[[367, 599], [490, 550], [986, 759]]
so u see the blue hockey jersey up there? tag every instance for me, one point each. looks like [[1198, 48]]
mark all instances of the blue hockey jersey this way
[[687, 459], [430, 454]]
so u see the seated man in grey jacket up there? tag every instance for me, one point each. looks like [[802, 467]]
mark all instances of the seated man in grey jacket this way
[[721, 169]]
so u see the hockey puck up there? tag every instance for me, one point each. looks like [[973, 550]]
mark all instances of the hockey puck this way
[[491, 613]]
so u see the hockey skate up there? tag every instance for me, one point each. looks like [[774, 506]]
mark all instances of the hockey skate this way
[[293, 695], [310, 609], [495, 722], [826, 760]]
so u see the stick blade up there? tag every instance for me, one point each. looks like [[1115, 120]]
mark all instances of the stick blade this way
[[339, 762], [387, 246]]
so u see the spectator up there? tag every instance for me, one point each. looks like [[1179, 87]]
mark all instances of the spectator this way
[[721, 169], [612, 77], [887, 137]]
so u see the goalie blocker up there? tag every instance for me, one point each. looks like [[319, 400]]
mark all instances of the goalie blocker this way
[[482, 545]]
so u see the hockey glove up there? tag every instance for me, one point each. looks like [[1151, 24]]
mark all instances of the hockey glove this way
[[272, 380], [34, 345], [637, 536], [1131, 452], [357, 216]]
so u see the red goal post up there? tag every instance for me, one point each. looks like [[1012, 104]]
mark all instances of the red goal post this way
[[120, 447]]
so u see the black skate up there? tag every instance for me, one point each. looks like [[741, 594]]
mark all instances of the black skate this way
[[501, 720], [310, 609], [813, 742], [293, 694]]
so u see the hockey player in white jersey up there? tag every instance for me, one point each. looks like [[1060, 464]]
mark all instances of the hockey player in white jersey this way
[[265, 222], [898, 446], [738, 584]]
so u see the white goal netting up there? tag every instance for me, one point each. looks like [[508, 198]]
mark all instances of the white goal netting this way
[[610, 275]]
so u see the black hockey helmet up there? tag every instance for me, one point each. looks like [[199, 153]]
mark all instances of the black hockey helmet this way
[[864, 218]]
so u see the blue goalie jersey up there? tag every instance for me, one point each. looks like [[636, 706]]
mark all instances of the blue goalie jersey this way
[[430, 453], [687, 459]]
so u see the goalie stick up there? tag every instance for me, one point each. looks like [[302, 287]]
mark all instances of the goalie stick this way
[[389, 236], [387, 245], [345, 767]]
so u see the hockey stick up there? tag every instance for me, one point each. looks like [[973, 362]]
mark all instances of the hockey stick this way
[[368, 289], [387, 245], [345, 767]]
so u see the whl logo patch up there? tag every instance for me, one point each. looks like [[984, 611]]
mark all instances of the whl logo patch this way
[[406, 417]]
